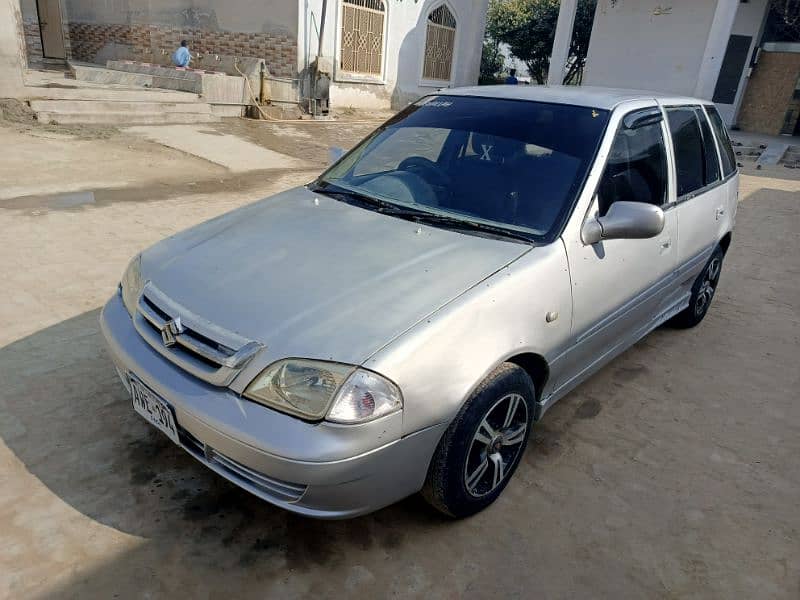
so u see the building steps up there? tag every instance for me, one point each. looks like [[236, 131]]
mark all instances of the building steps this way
[[67, 92], [71, 101], [124, 106], [125, 118]]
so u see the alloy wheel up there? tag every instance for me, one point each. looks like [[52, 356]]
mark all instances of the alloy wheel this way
[[708, 286], [496, 445]]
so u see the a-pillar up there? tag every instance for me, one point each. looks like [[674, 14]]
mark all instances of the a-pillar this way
[[563, 38], [717, 43], [12, 50]]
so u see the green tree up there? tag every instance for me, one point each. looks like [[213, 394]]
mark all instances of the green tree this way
[[528, 27], [491, 61]]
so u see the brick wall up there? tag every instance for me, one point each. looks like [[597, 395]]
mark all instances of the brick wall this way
[[33, 42], [769, 93], [279, 51]]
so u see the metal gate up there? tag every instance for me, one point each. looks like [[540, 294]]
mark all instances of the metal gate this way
[[439, 44], [362, 36]]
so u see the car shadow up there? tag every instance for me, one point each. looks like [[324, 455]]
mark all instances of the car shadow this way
[[68, 420]]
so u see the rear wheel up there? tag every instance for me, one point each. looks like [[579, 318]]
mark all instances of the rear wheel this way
[[481, 449], [703, 290]]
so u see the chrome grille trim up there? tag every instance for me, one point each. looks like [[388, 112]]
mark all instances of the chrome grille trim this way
[[218, 364]]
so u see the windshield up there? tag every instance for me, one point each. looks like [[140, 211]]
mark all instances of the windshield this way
[[509, 163]]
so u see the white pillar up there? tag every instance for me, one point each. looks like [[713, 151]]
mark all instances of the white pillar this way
[[717, 43], [558, 59], [12, 50]]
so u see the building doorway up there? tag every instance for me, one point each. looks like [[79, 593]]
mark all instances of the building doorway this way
[[50, 26]]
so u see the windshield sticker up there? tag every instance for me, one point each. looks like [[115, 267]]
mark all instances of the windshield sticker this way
[[439, 103]]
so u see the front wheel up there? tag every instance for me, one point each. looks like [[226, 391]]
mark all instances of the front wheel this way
[[481, 449], [703, 290]]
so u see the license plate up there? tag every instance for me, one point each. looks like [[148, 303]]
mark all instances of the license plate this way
[[155, 410]]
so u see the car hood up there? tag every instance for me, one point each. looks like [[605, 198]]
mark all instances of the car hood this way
[[310, 276]]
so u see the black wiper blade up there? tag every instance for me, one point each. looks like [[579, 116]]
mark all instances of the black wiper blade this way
[[422, 216], [416, 214], [329, 189]]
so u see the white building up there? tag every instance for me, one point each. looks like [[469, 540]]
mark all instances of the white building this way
[[409, 47], [699, 48], [379, 53]]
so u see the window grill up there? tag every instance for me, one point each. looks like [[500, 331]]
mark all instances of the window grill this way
[[362, 36], [439, 44]]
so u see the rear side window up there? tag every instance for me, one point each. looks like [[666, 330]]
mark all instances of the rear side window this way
[[725, 145], [636, 170], [709, 149], [693, 161]]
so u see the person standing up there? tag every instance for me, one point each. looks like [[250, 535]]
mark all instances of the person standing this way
[[182, 57], [512, 77]]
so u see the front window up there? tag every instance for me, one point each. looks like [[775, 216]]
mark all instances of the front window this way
[[511, 164], [636, 170]]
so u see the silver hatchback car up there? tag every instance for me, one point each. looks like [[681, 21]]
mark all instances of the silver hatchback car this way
[[401, 323]]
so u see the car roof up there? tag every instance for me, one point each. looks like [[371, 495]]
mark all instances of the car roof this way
[[594, 97]]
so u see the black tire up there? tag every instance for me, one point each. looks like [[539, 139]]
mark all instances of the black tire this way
[[462, 449], [703, 290]]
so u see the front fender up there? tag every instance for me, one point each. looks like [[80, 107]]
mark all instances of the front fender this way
[[441, 360]]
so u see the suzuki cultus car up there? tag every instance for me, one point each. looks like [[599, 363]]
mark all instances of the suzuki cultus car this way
[[401, 323]]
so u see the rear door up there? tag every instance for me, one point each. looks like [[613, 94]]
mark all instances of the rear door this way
[[730, 175], [700, 198]]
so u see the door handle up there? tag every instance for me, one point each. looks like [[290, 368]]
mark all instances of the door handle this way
[[665, 245], [719, 213]]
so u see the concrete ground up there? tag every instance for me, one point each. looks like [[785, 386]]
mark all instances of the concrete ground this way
[[671, 473]]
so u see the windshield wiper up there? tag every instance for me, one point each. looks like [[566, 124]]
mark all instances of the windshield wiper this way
[[423, 216], [330, 189], [416, 214]]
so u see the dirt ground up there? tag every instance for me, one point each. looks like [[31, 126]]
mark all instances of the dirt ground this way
[[671, 473]]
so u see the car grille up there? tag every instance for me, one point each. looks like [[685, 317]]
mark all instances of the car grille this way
[[257, 483], [201, 348]]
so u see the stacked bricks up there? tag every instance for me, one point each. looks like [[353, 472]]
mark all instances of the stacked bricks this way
[[278, 50], [769, 96], [33, 43]]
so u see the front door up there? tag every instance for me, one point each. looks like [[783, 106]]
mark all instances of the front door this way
[[50, 27], [622, 287]]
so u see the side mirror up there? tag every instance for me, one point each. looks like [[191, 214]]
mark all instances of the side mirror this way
[[334, 154], [625, 220]]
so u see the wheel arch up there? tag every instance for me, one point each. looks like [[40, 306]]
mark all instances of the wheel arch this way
[[537, 368], [725, 242]]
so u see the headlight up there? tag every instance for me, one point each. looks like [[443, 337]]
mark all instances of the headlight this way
[[132, 284], [312, 389]]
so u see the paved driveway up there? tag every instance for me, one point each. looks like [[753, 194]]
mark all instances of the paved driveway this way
[[672, 472]]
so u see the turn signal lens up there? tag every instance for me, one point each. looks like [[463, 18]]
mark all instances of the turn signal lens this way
[[132, 284], [363, 397]]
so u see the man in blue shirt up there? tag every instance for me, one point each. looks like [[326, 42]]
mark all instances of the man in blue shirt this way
[[512, 77], [181, 57]]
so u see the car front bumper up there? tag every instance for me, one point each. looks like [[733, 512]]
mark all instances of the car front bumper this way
[[234, 437]]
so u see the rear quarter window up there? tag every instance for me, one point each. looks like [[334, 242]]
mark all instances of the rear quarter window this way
[[725, 144]]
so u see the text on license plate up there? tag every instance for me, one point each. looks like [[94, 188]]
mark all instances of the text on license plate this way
[[155, 410]]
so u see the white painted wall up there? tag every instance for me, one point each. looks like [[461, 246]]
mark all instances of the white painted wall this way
[[649, 44], [401, 81], [12, 50], [675, 46]]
